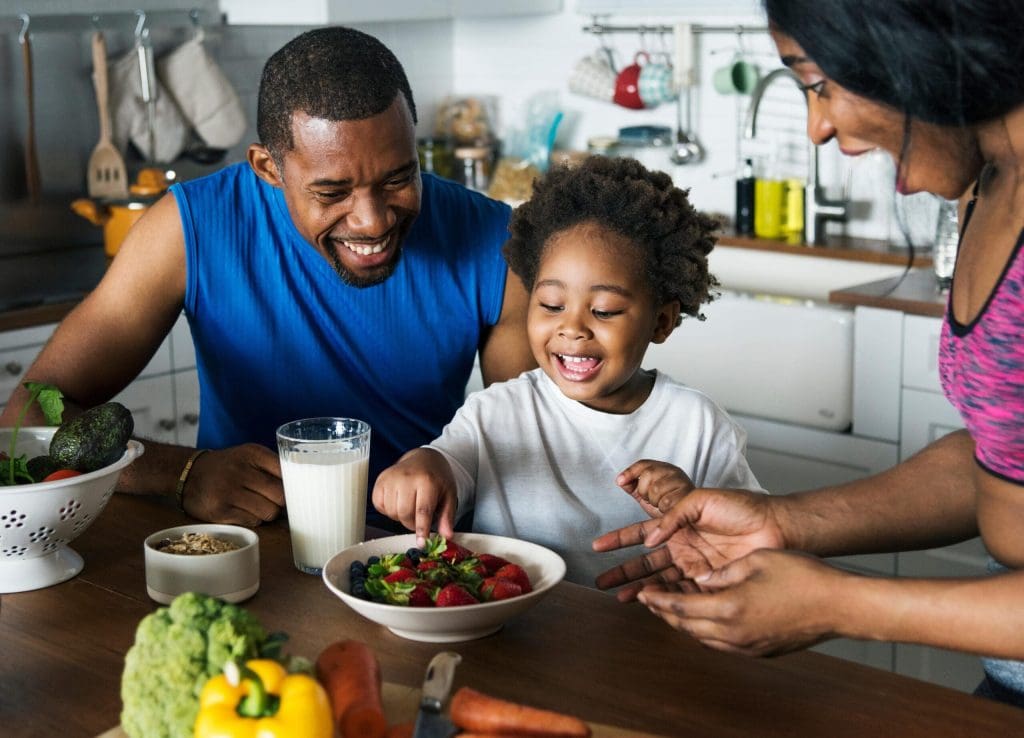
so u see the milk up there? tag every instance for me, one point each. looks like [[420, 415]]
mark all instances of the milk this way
[[325, 495]]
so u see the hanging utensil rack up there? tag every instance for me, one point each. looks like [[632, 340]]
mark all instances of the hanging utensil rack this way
[[125, 20], [598, 28], [137, 22]]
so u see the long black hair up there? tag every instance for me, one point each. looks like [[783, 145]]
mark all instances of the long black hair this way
[[948, 62]]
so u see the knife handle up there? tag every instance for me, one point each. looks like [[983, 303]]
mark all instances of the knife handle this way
[[438, 681]]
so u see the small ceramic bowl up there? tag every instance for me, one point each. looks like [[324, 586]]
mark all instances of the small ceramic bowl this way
[[233, 576]]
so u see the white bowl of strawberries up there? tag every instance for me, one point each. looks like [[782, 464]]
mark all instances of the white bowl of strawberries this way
[[447, 591]]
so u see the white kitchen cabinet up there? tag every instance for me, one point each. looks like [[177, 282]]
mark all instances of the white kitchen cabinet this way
[[151, 402], [18, 349], [186, 403], [164, 399], [323, 12]]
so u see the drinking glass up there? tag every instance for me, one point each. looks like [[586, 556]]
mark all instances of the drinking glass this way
[[324, 467]]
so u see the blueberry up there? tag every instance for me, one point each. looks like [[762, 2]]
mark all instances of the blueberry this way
[[357, 569], [359, 589], [373, 560]]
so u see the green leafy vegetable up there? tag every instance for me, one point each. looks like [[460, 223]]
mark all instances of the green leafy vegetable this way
[[51, 401], [176, 649]]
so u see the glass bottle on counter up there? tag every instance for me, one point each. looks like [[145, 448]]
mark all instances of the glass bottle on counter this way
[[947, 241], [474, 167], [769, 204], [745, 200]]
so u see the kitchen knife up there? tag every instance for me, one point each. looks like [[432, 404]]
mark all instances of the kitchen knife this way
[[430, 722]]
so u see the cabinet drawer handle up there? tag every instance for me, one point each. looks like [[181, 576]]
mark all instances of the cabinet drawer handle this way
[[166, 424], [13, 368], [191, 418]]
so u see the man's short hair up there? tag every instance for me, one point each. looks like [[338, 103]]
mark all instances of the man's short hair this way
[[333, 73]]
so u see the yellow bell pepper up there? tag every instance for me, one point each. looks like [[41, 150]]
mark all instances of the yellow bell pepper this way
[[262, 700]]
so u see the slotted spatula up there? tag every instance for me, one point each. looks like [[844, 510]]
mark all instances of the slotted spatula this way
[[107, 177]]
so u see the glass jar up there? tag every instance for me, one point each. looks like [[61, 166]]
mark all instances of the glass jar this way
[[474, 167], [436, 157]]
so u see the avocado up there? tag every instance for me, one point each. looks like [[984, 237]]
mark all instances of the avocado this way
[[96, 438], [40, 467]]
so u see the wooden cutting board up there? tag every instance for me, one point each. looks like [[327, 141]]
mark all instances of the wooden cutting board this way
[[402, 702]]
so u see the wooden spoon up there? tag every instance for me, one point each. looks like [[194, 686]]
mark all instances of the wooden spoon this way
[[31, 159], [107, 177]]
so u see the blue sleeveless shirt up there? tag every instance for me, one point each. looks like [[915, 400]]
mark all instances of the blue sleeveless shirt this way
[[279, 336]]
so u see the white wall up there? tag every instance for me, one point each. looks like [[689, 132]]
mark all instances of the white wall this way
[[516, 57]]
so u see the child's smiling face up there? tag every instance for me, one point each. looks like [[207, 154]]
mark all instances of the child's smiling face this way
[[592, 316]]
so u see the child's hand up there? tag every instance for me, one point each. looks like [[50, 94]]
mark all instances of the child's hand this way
[[656, 485], [418, 485]]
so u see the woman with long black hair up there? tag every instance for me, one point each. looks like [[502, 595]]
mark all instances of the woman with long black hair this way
[[939, 85]]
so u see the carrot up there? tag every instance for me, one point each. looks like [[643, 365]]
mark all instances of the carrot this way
[[351, 676], [477, 712], [400, 730]]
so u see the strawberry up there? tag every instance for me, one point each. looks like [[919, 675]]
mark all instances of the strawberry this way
[[499, 588], [491, 562], [517, 575], [400, 575], [453, 595], [454, 553], [420, 597], [427, 565]]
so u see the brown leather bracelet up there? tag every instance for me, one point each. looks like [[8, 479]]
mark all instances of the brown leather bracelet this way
[[179, 490]]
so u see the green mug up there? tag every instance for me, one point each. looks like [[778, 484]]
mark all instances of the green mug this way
[[738, 77]]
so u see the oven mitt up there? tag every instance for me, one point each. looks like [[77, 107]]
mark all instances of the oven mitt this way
[[203, 94], [130, 118]]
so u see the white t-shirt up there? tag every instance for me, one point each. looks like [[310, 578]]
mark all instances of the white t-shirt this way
[[538, 466]]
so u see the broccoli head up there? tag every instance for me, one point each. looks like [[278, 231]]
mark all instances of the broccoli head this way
[[176, 650]]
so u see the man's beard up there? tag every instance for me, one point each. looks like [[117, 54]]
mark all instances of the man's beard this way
[[376, 277]]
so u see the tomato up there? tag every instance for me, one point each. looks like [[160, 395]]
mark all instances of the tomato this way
[[61, 474]]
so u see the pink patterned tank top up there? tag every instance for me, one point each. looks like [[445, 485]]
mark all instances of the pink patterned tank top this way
[[981, 365]]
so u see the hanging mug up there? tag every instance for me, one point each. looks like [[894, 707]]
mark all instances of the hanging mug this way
[[738, 77], [627, 84], [593, 76], [657, 83]]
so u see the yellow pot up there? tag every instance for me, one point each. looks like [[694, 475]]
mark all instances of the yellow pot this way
[[118, 216]]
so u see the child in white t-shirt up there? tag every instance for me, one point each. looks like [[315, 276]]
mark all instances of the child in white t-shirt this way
[[612, 255]]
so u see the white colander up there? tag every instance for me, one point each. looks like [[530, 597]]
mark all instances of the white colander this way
[[37, 521]]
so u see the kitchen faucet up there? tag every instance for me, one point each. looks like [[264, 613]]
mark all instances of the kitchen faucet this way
[[817, 208]]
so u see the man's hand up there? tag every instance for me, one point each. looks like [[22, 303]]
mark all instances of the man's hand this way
[[703, 531], [767, 603], [239, 485], [414, 488]]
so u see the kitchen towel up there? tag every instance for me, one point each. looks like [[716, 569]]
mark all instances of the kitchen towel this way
[[131, 120], [203, 93]]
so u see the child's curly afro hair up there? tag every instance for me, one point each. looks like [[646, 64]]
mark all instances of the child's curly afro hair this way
[[625, 197]]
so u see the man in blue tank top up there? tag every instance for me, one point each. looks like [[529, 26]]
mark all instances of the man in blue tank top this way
[[325, 276]]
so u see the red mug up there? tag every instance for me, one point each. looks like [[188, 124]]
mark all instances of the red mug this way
[[627, 84]]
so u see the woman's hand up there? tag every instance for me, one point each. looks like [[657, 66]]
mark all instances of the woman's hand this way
[[767, 603], [705, 530], [418, 486]]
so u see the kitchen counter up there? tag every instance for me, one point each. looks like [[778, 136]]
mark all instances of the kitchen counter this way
[[65, 276], [916, 294], [578, 650], [836, 247]]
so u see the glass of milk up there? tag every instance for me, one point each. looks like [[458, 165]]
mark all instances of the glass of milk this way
[[324, 464]]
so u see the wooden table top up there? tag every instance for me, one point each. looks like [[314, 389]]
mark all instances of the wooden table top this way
[[578, 650]]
